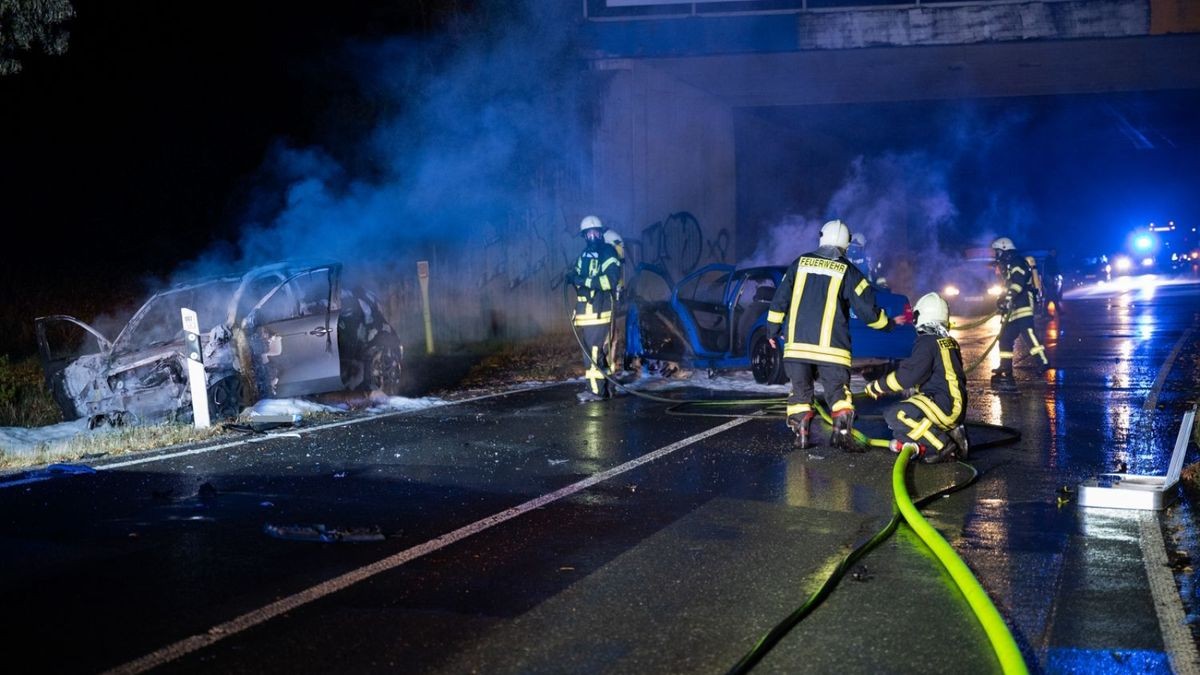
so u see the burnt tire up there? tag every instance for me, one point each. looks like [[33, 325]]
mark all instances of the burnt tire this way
[[382, 367], [225, 397], [766, 362]]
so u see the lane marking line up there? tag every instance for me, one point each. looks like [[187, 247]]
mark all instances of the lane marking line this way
[[1172, 622], [253, 618], [291, 433], [1152, 399]]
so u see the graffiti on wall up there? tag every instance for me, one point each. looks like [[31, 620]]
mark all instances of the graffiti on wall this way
[[678, 244]]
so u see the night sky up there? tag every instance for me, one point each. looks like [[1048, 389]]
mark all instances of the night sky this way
[[146, 142]]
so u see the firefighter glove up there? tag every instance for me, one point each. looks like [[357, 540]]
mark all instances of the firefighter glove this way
[[1002, 304], [574, 279]]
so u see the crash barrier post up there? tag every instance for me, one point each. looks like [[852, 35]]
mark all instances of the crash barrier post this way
[[423, 277], [1132, 491], [195, 364]]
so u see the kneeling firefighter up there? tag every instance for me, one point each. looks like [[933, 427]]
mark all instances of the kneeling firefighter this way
[[815, 296], [931, 419], [596, 276]]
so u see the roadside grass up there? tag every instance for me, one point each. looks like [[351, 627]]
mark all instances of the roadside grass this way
[[24, 399], [133, 439], [110, 443]]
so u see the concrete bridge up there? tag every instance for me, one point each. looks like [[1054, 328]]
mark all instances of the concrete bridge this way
[[687, 87]]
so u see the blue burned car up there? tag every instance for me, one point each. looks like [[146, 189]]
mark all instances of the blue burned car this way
[[716, 318]]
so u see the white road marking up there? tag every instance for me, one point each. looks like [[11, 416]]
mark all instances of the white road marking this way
[[1152, 399], [1177, 635], [274, 609]]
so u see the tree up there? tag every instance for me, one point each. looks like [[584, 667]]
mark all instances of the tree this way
[[26, 25]]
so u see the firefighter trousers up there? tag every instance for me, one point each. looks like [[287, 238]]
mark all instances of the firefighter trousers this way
[[595, 342], [835, 379], [909, 423], [1022, 327]]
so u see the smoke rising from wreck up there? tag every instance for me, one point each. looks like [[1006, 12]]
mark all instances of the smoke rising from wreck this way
[[906, 206], [474, 144], [475, 158]]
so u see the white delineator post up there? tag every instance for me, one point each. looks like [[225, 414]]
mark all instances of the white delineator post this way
[[423, 277], [195, 363]]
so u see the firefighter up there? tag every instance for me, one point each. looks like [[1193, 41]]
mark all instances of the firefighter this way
[[1016, 305], [595, 277], [815, 297], [616, 336], [931, 419], [856, 253]]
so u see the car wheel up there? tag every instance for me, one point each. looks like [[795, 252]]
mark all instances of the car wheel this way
[[766, 362], [225, 397], [382, 365]]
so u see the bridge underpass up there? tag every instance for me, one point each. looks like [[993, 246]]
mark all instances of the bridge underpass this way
[[746, 140]]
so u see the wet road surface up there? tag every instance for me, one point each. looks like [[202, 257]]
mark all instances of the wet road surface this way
[[677, 564]]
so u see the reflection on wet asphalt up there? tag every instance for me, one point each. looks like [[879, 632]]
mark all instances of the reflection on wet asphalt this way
[[678, 565]]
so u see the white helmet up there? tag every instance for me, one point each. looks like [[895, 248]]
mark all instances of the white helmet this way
[[835, 233], [1003, 244], [931, 308], [613, 239], [589, 223], [858, 239]]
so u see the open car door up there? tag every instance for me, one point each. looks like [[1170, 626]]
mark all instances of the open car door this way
[[702, 302], [61, 340], [297, 319]]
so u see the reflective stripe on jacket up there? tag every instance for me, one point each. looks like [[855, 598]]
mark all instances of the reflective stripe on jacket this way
[[1018, 285], [815, 297], [599, 269], [935, 370]]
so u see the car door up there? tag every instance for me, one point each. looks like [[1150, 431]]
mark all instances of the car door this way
[[702, 301], [63, 340], [296, 327]]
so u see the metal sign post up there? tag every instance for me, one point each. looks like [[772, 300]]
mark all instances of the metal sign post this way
[[423, 277], [1131, 491], [195, 363]]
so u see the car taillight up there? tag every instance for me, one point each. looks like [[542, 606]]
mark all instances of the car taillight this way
[[908, 314]]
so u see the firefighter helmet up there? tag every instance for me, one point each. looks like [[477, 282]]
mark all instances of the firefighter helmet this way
[[613, 239], [1003, 244], [931, 308], [590, 223], [835, 233], [858, 239]]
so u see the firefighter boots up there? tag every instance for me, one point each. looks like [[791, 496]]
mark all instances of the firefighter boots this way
[[1003, 380], [801, 425], [959, 436], [842, 436]]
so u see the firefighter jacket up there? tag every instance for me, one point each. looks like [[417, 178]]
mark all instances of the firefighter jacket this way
[[595, 277], [935, 371], [815, 298], [1018, 288]]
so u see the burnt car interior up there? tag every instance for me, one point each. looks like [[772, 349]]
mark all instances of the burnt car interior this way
[[286, 329]]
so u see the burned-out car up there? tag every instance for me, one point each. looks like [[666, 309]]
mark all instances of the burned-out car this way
[[716, 318], [280, 330]]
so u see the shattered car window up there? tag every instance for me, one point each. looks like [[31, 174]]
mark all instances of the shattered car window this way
[[303, 295], [159, 321]]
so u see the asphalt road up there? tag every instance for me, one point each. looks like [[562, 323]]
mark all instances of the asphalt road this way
[[527, 533]]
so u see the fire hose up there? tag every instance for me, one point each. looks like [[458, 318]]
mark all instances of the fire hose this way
[[904, 509]]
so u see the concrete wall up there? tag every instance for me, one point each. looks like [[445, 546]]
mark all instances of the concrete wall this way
[[662, 149]]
